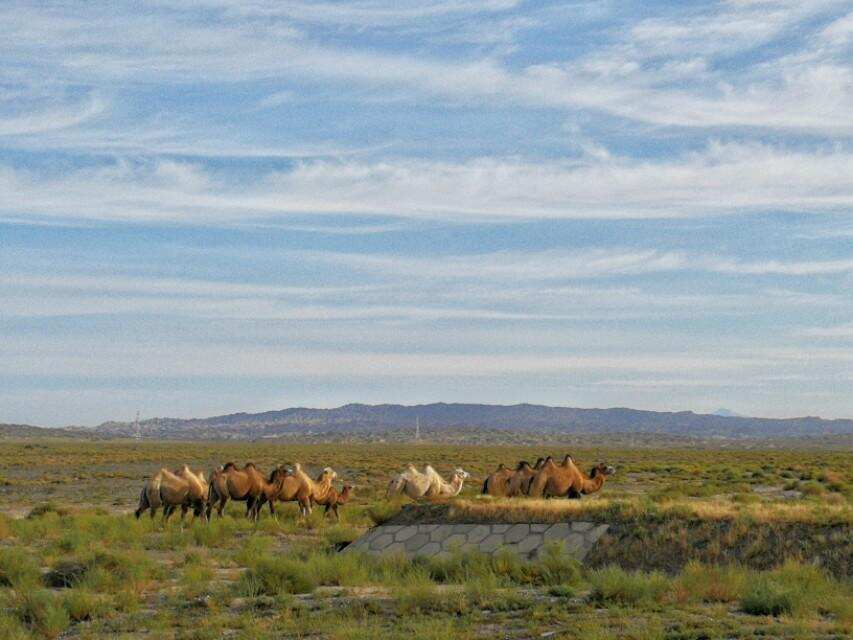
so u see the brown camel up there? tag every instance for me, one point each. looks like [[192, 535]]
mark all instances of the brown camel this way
[[291, 488], [497, 484], [567, 480], [333, 500], [294, 485], [519, 483], [170, 490], [246, 484]]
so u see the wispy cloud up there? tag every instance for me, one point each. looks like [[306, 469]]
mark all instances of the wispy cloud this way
[[721, 180]]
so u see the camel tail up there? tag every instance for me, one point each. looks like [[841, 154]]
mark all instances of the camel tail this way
[[485, 486]]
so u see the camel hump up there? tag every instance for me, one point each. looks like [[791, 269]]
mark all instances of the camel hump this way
[[250, 465], [228, 466], [501, 467]]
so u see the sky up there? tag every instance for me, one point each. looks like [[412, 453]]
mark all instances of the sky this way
[[211, 206]]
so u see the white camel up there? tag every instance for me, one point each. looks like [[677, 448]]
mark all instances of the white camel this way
[[429, 483], [439, 487]]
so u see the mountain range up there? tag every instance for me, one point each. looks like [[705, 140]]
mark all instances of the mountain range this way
[[444, 422]]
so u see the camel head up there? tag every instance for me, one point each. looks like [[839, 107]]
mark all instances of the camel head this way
[[602, 469], [332, 473], [460, 472]]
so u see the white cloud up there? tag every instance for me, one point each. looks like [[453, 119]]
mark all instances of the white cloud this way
[[724, 179]]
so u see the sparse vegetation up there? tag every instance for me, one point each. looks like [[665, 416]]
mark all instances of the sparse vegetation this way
[[74, 562]]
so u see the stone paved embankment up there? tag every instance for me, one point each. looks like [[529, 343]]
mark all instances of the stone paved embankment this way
[[577, 538]]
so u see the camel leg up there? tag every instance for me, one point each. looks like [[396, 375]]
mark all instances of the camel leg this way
[[221, 506]]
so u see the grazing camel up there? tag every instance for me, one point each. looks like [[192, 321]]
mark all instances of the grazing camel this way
[[169, 490], [568, 480], [333, 500], [440, 488], [497, 484], [246, 484]]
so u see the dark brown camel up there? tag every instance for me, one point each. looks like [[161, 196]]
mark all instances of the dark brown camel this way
[[244, 485]]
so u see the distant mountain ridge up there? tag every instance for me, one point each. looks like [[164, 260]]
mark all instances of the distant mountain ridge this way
[[391, 420]]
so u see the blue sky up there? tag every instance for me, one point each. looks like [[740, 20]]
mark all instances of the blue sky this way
[[211, 206]]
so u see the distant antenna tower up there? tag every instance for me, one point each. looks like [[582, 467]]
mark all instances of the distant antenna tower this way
[[137, 433], [417, 428]]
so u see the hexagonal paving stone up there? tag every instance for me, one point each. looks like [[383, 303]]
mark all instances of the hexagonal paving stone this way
[[429, 549], [429, 528], [491, 542], [530, 543], [456, 541], [574, 543], [539, 528], [582, 526], [406, 532], [559, 530], [500, 528], [599, 531], [391, 528], [517, 533], [416, 542], [395, 547], [441, 533], [478, 533], [381, 541]]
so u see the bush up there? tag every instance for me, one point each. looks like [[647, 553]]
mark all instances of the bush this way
[[83, 605], [43, 613], [710, 583], [274, 576], [426, 598], [613, 585], [382, 512], [17, 568], [764, 597]]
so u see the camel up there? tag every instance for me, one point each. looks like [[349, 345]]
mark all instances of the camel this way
[[198, 494], [519, 483], [171, 490], [497, 484], [440, 488], [333, 500], [246, 484], [566, 479], [410, 482], [294, 485]]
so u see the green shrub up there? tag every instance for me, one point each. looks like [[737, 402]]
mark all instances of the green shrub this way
[[382, 512], [812, 488], [43, 613], [765, 597], [18, 568], [426, 598], [613, 585], [273, 576], [83, 605]]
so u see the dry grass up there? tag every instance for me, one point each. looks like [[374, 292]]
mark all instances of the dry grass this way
[[608, 509]]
